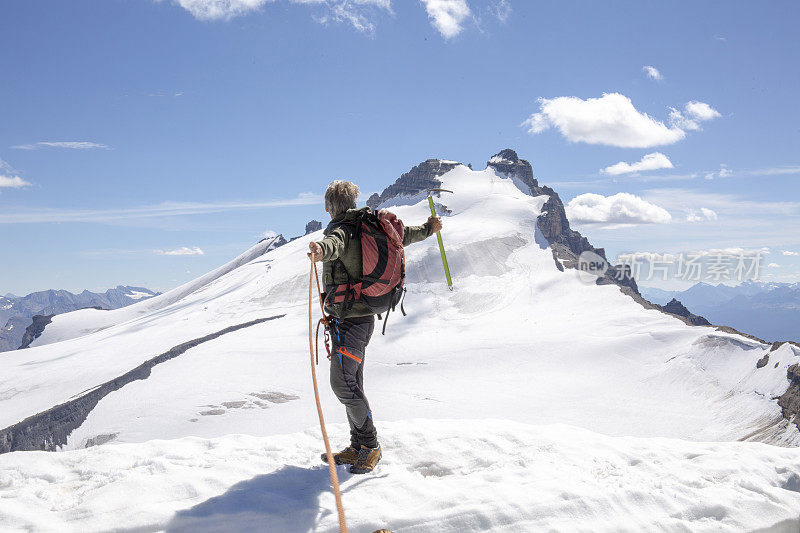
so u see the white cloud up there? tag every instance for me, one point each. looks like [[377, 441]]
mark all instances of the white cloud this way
[[357, 13], [654, 161], [773, 265], [71, 145], [773, 171], [9, 179], [501, 10], [727, 204], [723, 172], [610, 120], [13, 182], [789, 253], [701, 110], [167, 209], [183, 250], [705, 214], [734, 251], [652, 72], [621, 208], [447, 16], [692, 115], [708, 213], [220, 9]]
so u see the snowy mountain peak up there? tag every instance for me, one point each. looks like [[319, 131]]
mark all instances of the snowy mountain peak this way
[[420, 178], [426, 175]]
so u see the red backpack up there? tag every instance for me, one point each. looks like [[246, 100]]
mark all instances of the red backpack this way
[[383, 265]]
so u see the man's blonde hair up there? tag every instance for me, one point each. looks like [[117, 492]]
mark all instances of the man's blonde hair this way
[[340, 196]]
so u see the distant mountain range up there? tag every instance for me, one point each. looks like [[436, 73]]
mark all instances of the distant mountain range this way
[[17, 312], [770, 311]]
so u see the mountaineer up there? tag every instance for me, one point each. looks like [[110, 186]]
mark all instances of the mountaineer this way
[[353, 298]]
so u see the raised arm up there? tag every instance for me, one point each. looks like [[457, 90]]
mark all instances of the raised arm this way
[[414, 234]]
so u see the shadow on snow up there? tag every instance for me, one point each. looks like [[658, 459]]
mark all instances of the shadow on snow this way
[[284, 500]]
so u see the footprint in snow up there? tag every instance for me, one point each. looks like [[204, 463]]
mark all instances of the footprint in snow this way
[[275, 397], [268, 397], [431, 469]]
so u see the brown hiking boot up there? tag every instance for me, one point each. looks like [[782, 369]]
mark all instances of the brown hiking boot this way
[[366, 460], [348, 456]]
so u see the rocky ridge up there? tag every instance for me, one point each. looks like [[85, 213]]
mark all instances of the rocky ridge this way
[[789, 401], [675, 307], [420, 178], [32, 332]]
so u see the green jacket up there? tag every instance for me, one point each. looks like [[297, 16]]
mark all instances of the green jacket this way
[[340, 243]]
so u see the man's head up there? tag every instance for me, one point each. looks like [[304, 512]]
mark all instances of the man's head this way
[[340, 196]]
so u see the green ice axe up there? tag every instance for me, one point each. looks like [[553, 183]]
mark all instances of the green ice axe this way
[[439, 237]]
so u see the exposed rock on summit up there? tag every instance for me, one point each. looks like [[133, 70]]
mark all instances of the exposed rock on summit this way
[[312, 226], [421, 177], [507, 162]]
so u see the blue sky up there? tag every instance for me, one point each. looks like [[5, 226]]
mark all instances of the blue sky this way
[[133, 128]]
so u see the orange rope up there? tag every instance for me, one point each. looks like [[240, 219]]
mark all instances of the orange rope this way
[[331, 465]]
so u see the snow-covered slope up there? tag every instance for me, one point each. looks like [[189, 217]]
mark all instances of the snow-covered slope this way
[[518, 340], [436, 475], [85, 321]]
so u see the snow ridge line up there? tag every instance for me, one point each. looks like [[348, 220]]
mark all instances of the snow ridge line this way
[[49, 429]]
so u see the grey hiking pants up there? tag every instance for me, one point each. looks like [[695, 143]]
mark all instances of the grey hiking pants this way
[[350, 338]]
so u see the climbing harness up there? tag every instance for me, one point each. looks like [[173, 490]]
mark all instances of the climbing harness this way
[[331, 464]]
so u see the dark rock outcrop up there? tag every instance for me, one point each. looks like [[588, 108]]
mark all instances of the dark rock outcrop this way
[[421, 177], [49, 430], [674, 307], [35, 329], [761, 363], [312, 226], [507, 162], [789, 401]]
